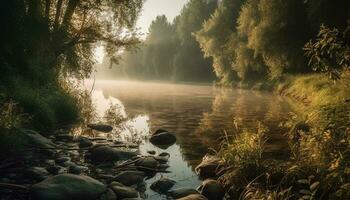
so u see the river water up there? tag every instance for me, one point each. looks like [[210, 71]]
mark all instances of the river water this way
[[199, 115]]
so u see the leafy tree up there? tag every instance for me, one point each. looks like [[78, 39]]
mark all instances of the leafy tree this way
[[329, 53], [57, 37], [216, 33]]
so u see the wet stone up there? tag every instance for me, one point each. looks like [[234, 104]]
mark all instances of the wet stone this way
[[163, 185], [151, 152], [123, 191], [212, 190], [130, 177], [67, 186], [36, 173], [181, 192]]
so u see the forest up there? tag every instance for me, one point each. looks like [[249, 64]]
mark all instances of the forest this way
[[247, 99]]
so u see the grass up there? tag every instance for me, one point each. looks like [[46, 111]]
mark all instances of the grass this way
[[319, 167]]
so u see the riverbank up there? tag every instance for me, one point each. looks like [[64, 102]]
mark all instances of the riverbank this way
[[86, 167], [319, 139]]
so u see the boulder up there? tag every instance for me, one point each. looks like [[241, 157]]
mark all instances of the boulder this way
[[77, 169], [194, 197], [148, 162], [85, 142], [212, 189], [109, 154], [35, 139], [36, 173], [123, 191], [163, 185], [130, 177], [101, 127], [163, 139], [108, 195], [56, 170], [209, 167], [67, 186], [181, 192]]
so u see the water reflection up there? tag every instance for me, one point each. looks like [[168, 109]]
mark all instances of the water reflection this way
[[198, 114]]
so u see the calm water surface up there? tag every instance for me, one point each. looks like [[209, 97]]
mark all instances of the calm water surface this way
[[198, 114]]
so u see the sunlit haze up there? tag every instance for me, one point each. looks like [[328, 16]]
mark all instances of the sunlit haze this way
[[150, 10]]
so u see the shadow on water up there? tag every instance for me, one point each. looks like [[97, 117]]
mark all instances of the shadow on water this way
[[198, 114]]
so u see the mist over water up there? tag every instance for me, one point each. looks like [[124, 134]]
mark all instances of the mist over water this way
[[198, 115]]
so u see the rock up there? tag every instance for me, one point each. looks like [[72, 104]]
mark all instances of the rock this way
[[152, 152], [67, 164], [163, 166], [149, 162], [67, 186], [108, 195], [123, 191], [163, 139], [77, 169], [194, 197], [181, 192], [101, 127], [163, 185], [62, 159], [164, 154], [212, 190], [65, 137], [208, 167], [37, 173], [130, 177], [85, 142], [56, 170], [161, 159], [37, 140], [108, 154]]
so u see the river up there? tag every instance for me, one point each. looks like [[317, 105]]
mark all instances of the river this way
[[199, 115]]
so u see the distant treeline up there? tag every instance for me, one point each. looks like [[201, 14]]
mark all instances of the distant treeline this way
[[243, 41]]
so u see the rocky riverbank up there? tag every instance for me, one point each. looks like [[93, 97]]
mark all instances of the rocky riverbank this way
[[67, 167]]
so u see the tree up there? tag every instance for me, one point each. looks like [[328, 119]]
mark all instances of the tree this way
[[329, 53], [57, 37]]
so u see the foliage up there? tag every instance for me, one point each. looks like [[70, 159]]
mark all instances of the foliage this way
[[245, 147], [329, 53], [48, 42], [261, 40], [12, 119], [170, 51]]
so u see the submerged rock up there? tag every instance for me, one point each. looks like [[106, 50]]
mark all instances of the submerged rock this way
[[162, 139], [163, 185], [108, 154], [208, 167], [67, 186], [123, 191], [181, 192], [101, 127], [130, 177], [212, 189], [194, 197]]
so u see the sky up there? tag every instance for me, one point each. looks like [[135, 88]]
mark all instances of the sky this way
[[151, 9]]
